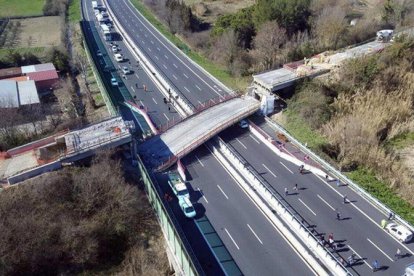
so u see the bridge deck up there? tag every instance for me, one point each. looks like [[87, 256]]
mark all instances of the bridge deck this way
[[195, 130]]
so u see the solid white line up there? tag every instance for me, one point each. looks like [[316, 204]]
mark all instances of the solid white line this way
[[165, 66], [175, 77], [166, 116], [241, 143], [264, 214], [333, 209], [222, 191], [185, 75], [199, 161], [202, 194], [254, 233], [187, 89], [132, 88], [307, 207], [198, 87], [381, 250], [268, 170], [368, 217], [154, 101], [232, 239], [257, 141], [360, 256], [286, 167], [175, 65]]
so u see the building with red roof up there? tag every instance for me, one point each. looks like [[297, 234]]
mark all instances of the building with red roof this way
[[45, 80]]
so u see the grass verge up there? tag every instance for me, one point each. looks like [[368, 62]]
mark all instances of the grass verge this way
[[367, 180], [74, 11], [37, 51], [217, 71], [11, 8], [402, 141]]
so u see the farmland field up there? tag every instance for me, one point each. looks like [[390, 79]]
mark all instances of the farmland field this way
[[21, 7]]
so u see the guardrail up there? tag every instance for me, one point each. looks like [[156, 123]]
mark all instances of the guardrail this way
[[284, 211], [331, 170]]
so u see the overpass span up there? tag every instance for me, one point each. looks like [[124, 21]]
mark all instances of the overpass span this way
[[163, 150]]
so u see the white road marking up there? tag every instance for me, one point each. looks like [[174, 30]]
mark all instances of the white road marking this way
[[152, 42], [381, 250], [158, 49], [359, 256], [254, 233], [136, 75], [185, 75], [200, 102], [175, 65], [175, 77], [265, 215], [232, 239], [198, 87], [142, 103], [268, 170], [143, 42], [186, 89], [149, 49], [222, 191], [145, 35], [199, 161], [241, 143], [333, 209], [132, 88], [368, 217], [285, 167], [154, 101], [202, 194], [257, 141], [166, 56], [156, 57], [165, 66], [307, 207], [166, 116]]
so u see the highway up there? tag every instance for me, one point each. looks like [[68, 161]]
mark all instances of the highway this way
[[316, 201], [246, 232], [185, 77]]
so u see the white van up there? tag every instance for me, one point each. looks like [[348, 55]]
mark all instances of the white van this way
[[399, 231], [118, 57]]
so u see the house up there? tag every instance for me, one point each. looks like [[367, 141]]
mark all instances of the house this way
[[16, 94]]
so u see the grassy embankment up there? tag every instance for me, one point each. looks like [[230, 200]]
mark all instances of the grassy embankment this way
[[10, 8]]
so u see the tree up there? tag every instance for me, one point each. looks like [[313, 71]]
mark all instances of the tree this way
[[330, 27], [226, 47], [267, 45]]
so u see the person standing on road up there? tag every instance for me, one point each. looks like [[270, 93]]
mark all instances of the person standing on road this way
[[295, 188], [375, 266], [345, 199], [398, 254], [286, 191], [338, 215]]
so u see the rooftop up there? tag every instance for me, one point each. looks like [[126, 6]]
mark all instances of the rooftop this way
[[43, 75], [27, 92], [10, 72], [37, 68], [9, 97]]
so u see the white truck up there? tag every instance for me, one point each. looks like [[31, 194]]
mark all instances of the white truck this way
[[409, 270], [95, 5], [177, 185]]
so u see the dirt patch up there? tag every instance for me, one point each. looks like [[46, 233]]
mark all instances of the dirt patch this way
[[37, 32], [216, 8]]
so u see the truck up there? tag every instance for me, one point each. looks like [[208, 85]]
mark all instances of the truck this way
[[95, 5], [106, 32], [177, 185], [187, 207]]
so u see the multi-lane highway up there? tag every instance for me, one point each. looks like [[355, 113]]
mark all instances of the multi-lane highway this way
[[253, 241]]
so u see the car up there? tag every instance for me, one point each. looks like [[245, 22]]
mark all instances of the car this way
[[187, 207], [114, 48], [125, 70], [114, 82], [99, 53], [243, 124], [400, 232], [118, 57]]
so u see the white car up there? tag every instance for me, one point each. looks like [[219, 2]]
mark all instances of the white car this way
[[125, 70], [118, 57], [114, 82], [399, 231], [114, 48]]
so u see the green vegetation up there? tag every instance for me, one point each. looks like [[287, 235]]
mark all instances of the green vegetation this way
[[381, 190], [10, 8], [37, 51], [401, 141], [74, 11], [214, 69]]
